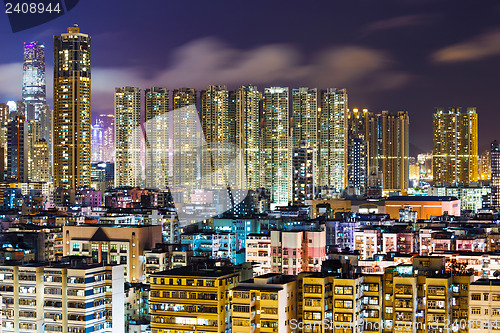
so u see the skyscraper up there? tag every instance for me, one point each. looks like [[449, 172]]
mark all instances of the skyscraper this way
[[40, 157], [97, 141], [34, 96], [276, 144], [393, 150], [72, 128], [332, 157], [247, 134], [16, 155], [305, 120], [157, 145], [303, 173], [305, 117], [214, 112], [127, 141], [186, 137], [358, 161], [495, 174], [455, 146], [32, 135]]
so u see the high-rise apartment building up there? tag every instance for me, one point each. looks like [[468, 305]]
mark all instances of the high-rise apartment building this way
[[495, 174], [303, 173], [485, 165], [127, 139], [72, 130], [358, 160], [186, 137], [455, 146], [305, 117], [332, 158], [34, 95], [157, 141], [16, 152], [276, 144], [248, 135], [215, 123], [32, 130], [40, 158], [393, 150]]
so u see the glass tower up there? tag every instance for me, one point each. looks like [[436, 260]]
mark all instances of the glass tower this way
[[34, 95]]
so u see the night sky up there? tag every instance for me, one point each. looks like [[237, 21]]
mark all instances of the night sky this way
[[393, 55]]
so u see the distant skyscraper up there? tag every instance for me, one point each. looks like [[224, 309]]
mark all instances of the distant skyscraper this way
[[214, 112], [303, 173], [127, 145], [97, 141], [157, 144], [4, 117], [276, 144], [16, 155], [495, 174], [34, 96], [485, 165], [32, 135], [455, 146], [232, 104], [305, 117], [358, 161], [4, 112], [332, 158], [108, 145], [186, 137], [72, 127], [393, 150], [40, 156], [247, 134]]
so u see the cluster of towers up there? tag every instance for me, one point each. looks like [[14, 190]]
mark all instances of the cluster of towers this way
[[300, 144]]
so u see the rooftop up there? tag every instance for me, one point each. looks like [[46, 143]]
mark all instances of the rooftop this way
[[421, 198], [200, 271]]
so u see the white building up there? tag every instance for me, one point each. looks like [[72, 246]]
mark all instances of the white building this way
[[258, 250], [484, 306], [74, 297]]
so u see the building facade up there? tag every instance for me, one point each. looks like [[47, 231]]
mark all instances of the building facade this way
[[62, 298], [332, 157], [186, 138], [248, 135], [127, 137], [72, 127], [455, 146], [34, 94], [157, 140], [192, 299], [276, 144]]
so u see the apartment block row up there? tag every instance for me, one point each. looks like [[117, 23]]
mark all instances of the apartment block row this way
[[421, 297]]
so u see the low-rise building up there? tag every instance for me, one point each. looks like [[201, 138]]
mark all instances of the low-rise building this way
[[267, 303], [258, 251], [113, 244], [192, 298], [72, 297]]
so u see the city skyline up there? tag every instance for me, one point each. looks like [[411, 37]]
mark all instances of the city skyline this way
[[456, 67]]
